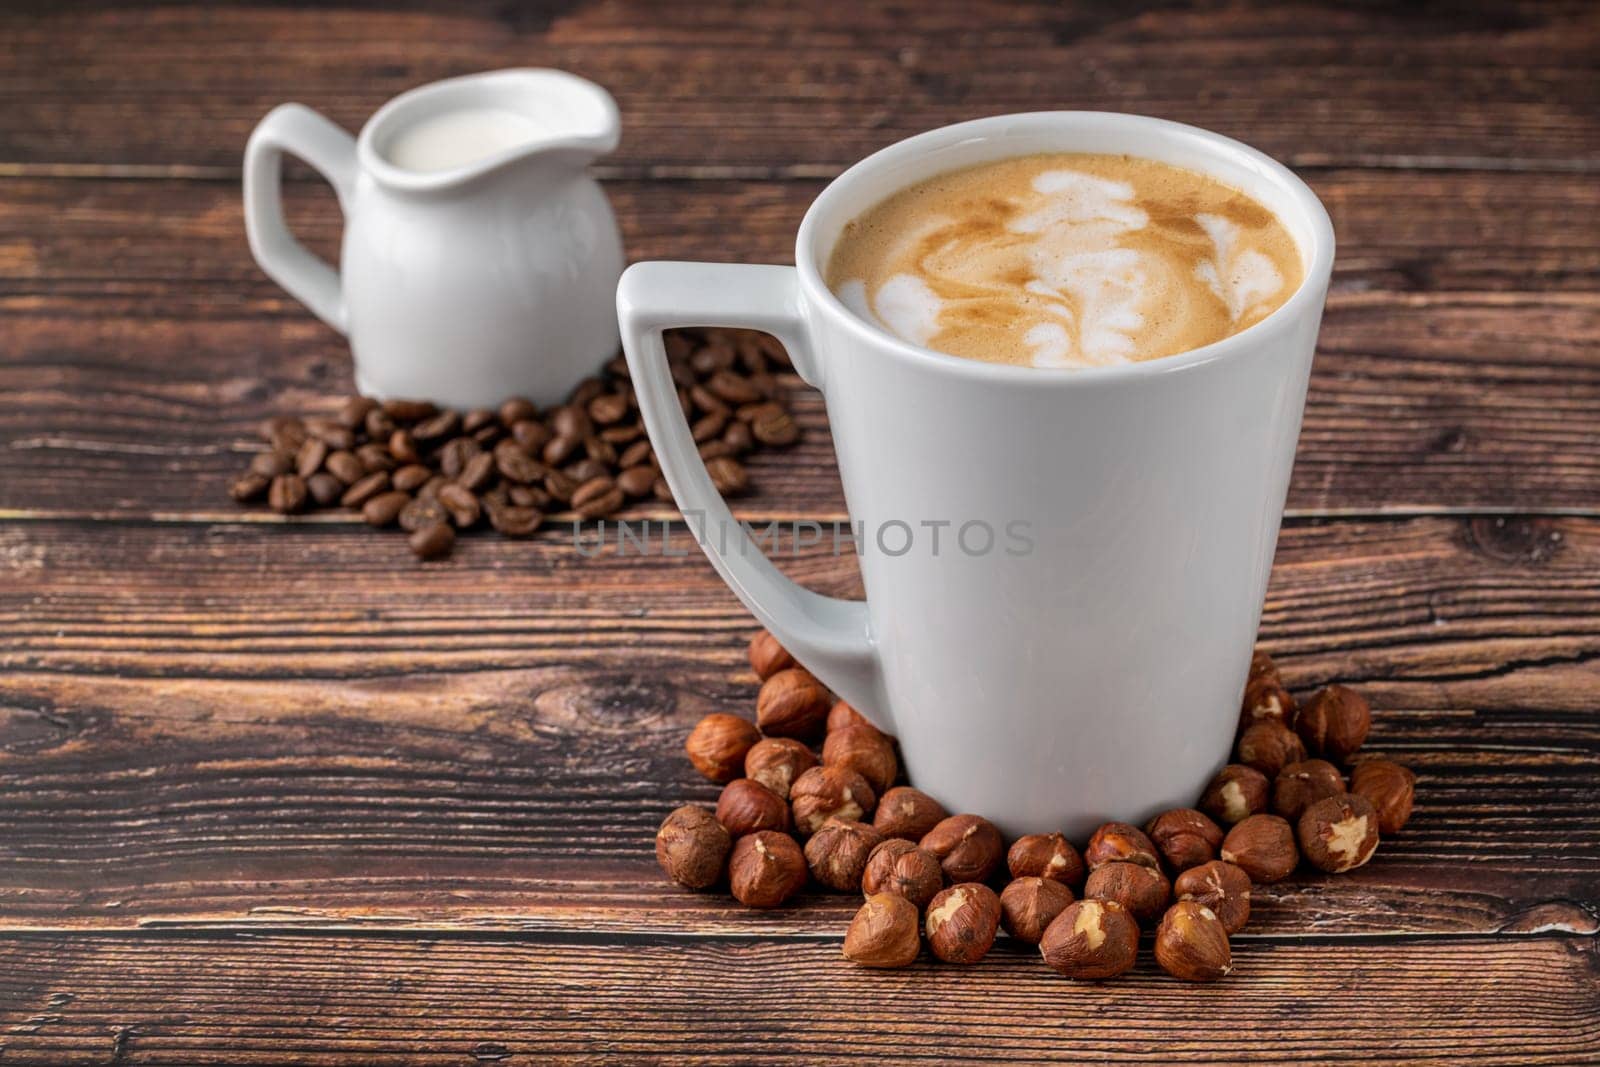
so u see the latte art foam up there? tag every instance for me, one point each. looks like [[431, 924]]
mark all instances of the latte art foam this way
[[1066, 261]]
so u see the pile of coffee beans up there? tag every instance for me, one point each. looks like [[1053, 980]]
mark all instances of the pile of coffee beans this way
[[843, 819], [432, 472]]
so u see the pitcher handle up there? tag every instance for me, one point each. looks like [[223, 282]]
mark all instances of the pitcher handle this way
[[301, 132], [829, 635]]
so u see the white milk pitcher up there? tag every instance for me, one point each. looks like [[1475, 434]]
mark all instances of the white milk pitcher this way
[[480, 259]]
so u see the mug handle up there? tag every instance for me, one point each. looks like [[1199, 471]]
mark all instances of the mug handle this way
[[301, 132], [829, 635]]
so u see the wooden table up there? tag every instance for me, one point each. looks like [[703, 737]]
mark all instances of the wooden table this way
[[272, 791]]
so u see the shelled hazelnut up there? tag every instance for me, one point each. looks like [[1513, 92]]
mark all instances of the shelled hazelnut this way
[[1120, 841], [1191, 943], [1028, 905], [1235, 794], [1046, 856], [768, 657], [1185, 837], [1302, 784], [1334, 722], [897, 866], [1389, 787], [969, 847], [776, 762], [792, 703], [692, 847], [1265, 700], [837, 853], [718, 743], [746, 806], [842, 715], [1270, 746], [886, 932], [1339, 833], [864, 750], [1144, 891], [824, 793], [908, 813], [1091, 940], [962, 922], [766, 869], [1221, 886], [1263, 847]]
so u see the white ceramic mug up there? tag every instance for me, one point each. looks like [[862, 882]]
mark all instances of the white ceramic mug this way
[[463, 285], [1099, 675]]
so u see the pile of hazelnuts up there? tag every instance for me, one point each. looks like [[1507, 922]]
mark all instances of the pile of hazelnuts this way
[[928, 874]]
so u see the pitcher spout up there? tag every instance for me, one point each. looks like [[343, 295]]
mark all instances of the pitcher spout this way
[[453, 132]]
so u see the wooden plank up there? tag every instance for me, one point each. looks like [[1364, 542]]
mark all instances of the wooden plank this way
[[212, 725], [325, 1000], [709, 86]]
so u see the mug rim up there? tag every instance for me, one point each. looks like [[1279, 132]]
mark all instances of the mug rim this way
[[1308, 297]]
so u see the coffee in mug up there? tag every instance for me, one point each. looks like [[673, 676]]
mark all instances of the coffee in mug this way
[[1065, 260]]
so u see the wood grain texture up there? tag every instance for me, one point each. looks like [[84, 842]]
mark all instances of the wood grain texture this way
[[245, 724], [263, 999], [774, 89]]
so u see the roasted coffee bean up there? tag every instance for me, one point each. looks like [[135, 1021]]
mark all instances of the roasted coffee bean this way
[[409, 410], [403, 447], [272, 464], [751, 356], [680, 343], [585, 469], [527, 496], [345, 467], [308, 460], [600, 451], [430, 488], [249, 486], [353, 412], [517, 409], [287, 494], [637, 454], [284, 433], [456, 454], [378, 424], [384, 508], [437, 428], [330, 433], [707, 401], [515, 464], [734, 388], [738, 438], [711, 358], [559, 449], [772, 425], [768, 386], [325, 489], [515, 521], [709, 426], [617, 367], [597, 497], [728, 475], [411, 478], [365, 489], [773, 349], [488, 435], [559, 486], [685, 404], [608, 408], [662, 490], [375, 458], [478, 472], [433, 541], [715, 449], [477, 419], [636, 481], [622, 435], [530, 435], [460, 503], [423, 511], [586, 391], [570, 421]]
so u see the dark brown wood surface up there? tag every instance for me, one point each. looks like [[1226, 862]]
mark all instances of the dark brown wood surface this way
[[271, 791]]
